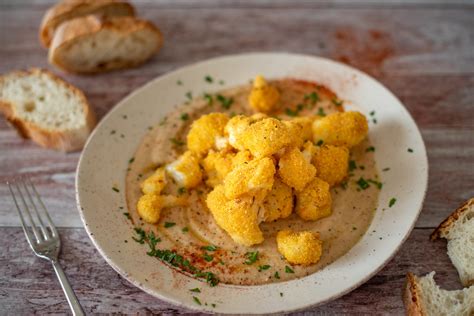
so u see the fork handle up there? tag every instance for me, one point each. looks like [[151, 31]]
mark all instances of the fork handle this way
[[68, 291]]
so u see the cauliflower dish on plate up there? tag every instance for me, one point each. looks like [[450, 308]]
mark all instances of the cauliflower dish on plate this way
[[260, 183]]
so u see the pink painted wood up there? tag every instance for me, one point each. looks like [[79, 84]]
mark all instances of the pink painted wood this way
[[422, 51]]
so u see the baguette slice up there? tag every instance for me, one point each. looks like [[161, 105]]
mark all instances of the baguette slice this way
[[91, 44], [69, 9], [458, 229], [422, 297], [46, 109]]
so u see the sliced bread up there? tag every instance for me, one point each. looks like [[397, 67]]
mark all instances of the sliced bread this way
[[423, 297], [69, 9], [90, 44], [458, 229], [46, 109]]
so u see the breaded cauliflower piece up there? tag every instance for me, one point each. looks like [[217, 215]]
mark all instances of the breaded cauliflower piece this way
[[303, 247], [216, 166], [207, 132], [155, 183], [309, 150], [332, 163], [314, 201], [238, 217], [301, 128], [149, 206], [341, 129], [263, 97], [234, 129], [241, 157], [294, 169], [185, 170], [279, 202], [266, 137], [250, 178]]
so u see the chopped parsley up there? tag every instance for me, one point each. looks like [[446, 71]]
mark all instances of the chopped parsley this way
[[374, 121], [185, 229], [264, 267], [281, 294], [213, 305], [371, 148], [140, 235], [321, 112], [131, 160], [177, 142], [197, 300], [337, 102], [291, 112], [277, 275], [208, 98], [179, 83], [112, 132], [385, 169], [313, 97], [289, 270], [208, 79], [195, 290], [320, 142], [209, 248], [372, 113], [225, 102], [207, 257], [410, 150], [221, 82], [189, 95], [252, 257], [377, 183], [115, 189], [181, 190], [184, 117], [169, 224], [352, 165], [392, 202], [362, 183], [127, 215]]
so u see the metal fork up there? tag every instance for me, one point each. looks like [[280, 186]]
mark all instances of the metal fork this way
[[45, 240]]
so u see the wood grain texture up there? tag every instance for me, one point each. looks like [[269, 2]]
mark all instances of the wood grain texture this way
[[421, 50]]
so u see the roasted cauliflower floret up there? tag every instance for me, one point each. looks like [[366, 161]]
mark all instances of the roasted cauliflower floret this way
[[238, 217], [216, 166], [332, 163], [185, 170], [263, 97], [207, 132], [303, 247], [266, 137], [341, 129], [149, 206], [279, 202], [155, 183], [314, 201], [252, 178], [294, 169]]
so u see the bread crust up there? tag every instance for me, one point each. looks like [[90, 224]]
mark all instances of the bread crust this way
[[412, 297], [74, 30], [442, 230], [64, 140], [68, 9]]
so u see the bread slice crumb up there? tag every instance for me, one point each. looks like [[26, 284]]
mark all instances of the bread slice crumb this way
[[45, 108]]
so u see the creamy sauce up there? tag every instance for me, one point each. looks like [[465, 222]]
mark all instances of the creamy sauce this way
[[353, 208]]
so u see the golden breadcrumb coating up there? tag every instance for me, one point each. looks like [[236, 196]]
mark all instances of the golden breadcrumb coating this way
[[341, 129], [216, 166], [303, 247], [294, 169], [302, 129], [186, 170], [279, 202], [332, 163], [207, 132], [154, 183], [266, 137], [149, 206], [234, 129], [263, 97], [314, 201], [309, 150], [241, 157], [252, 177], [238, 217]]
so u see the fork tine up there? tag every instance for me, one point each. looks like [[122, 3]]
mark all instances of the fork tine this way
[[22, 219], [48, 218], [38, 216]]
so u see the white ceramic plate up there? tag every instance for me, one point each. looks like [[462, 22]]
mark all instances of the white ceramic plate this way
[[104, 162]]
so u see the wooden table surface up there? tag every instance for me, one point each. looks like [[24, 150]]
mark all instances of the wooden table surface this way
[[421, 50]]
